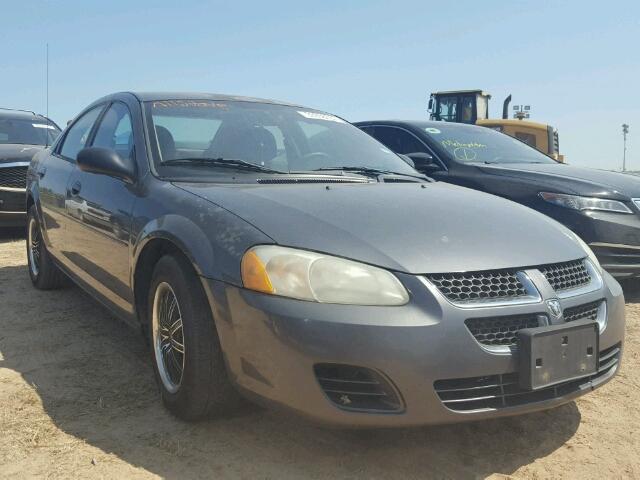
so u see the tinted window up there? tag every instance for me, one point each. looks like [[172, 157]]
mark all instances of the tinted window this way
[[398, 140], [279, 137], [77, 136], [472, 144], [527, 138], [115, 131], [36, 131]]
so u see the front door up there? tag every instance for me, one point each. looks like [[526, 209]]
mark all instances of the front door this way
[[99, 234], [54, 172]]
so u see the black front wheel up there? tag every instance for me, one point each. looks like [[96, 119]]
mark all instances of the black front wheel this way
[[186, 352]]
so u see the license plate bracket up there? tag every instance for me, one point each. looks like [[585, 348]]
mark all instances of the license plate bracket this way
[[559, 353]]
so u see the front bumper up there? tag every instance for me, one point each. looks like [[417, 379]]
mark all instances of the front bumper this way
[[12, 207], [272, 345], [614, 237]]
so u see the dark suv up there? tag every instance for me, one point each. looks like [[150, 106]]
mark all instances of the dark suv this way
[[22, 135]]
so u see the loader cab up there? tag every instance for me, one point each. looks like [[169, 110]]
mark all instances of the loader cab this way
[[461, 106]]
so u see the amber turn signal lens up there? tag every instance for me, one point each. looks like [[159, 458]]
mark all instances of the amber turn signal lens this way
[[254, 273]]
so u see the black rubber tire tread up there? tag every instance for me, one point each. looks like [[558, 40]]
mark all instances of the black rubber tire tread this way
[[49, 276], [205, 389]]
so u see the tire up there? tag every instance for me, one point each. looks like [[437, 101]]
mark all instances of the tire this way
[[202, 388], [44, 273]]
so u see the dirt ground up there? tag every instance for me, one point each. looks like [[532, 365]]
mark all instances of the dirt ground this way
[[78, 400]]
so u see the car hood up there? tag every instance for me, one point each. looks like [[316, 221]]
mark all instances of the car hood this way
[[571, 179], [12, 152], [413, 228]]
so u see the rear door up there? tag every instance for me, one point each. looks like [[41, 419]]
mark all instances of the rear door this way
[[54, 172], [99, 234]]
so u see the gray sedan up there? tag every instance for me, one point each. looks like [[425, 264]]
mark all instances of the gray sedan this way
[[278, 252]]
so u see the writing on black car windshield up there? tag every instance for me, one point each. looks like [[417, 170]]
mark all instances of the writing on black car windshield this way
[[27, 132], [482, 145], [202, 134]]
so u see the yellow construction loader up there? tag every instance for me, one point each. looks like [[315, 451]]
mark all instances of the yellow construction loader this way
[[472, 106]]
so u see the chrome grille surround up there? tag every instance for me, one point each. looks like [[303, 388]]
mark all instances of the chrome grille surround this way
[[513, 286]]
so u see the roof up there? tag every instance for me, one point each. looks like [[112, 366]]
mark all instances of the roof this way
[[18, 114], [458, 92], [160, 96], [417, 123]]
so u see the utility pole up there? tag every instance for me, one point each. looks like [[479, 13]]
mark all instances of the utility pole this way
[[625, 131]]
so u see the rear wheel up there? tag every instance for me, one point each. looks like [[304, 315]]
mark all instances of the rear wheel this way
[[44, 273], [186, 352]]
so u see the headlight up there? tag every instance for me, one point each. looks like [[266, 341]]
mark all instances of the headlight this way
[[585, 203], [319, 278]]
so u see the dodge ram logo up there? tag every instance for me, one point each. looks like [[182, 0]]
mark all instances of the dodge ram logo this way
[[554, 308]]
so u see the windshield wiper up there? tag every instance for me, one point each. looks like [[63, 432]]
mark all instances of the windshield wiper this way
[[221, 162], [372, 172]]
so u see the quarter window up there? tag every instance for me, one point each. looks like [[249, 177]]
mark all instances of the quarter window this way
[[115, 131], [78, 135]]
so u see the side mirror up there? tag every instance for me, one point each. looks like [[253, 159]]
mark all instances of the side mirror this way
[[407, 160], [104, 161], [430, 107], [423, 162]]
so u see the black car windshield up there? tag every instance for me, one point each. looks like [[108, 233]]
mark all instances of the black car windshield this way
[[471, 144], [35, 131], [196, 137]]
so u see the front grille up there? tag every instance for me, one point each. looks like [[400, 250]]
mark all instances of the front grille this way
[[502, 330], [567, 275], [493, 392], [357, 388], [13, 177], [588, 311], [473, 286], [461, 287]]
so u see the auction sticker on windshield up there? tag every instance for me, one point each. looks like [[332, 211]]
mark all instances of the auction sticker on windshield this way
[[320, 116]]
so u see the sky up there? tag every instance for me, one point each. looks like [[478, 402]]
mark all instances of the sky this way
[[577, 63]]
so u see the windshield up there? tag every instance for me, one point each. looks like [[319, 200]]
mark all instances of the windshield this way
[[278, 138], [470, 144], [27, 131]]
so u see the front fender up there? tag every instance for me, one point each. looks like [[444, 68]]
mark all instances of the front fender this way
[[214, 242]]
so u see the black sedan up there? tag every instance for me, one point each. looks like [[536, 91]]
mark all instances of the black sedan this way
[[22, 135], [602, 207]]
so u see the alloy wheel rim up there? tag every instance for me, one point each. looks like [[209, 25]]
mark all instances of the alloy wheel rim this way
[[34, 247], [168, 337]]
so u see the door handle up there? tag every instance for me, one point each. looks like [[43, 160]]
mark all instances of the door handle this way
[[76, 187]]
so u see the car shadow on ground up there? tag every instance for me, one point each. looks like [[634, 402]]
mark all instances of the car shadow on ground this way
[[631, 290], [12, 234], [93, 376]]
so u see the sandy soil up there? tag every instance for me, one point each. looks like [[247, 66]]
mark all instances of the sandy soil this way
[[78, 400]]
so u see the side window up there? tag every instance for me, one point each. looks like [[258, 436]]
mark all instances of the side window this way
[[448, 109], [527, 138], [115, 131], [398, 140], [78, 134]]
